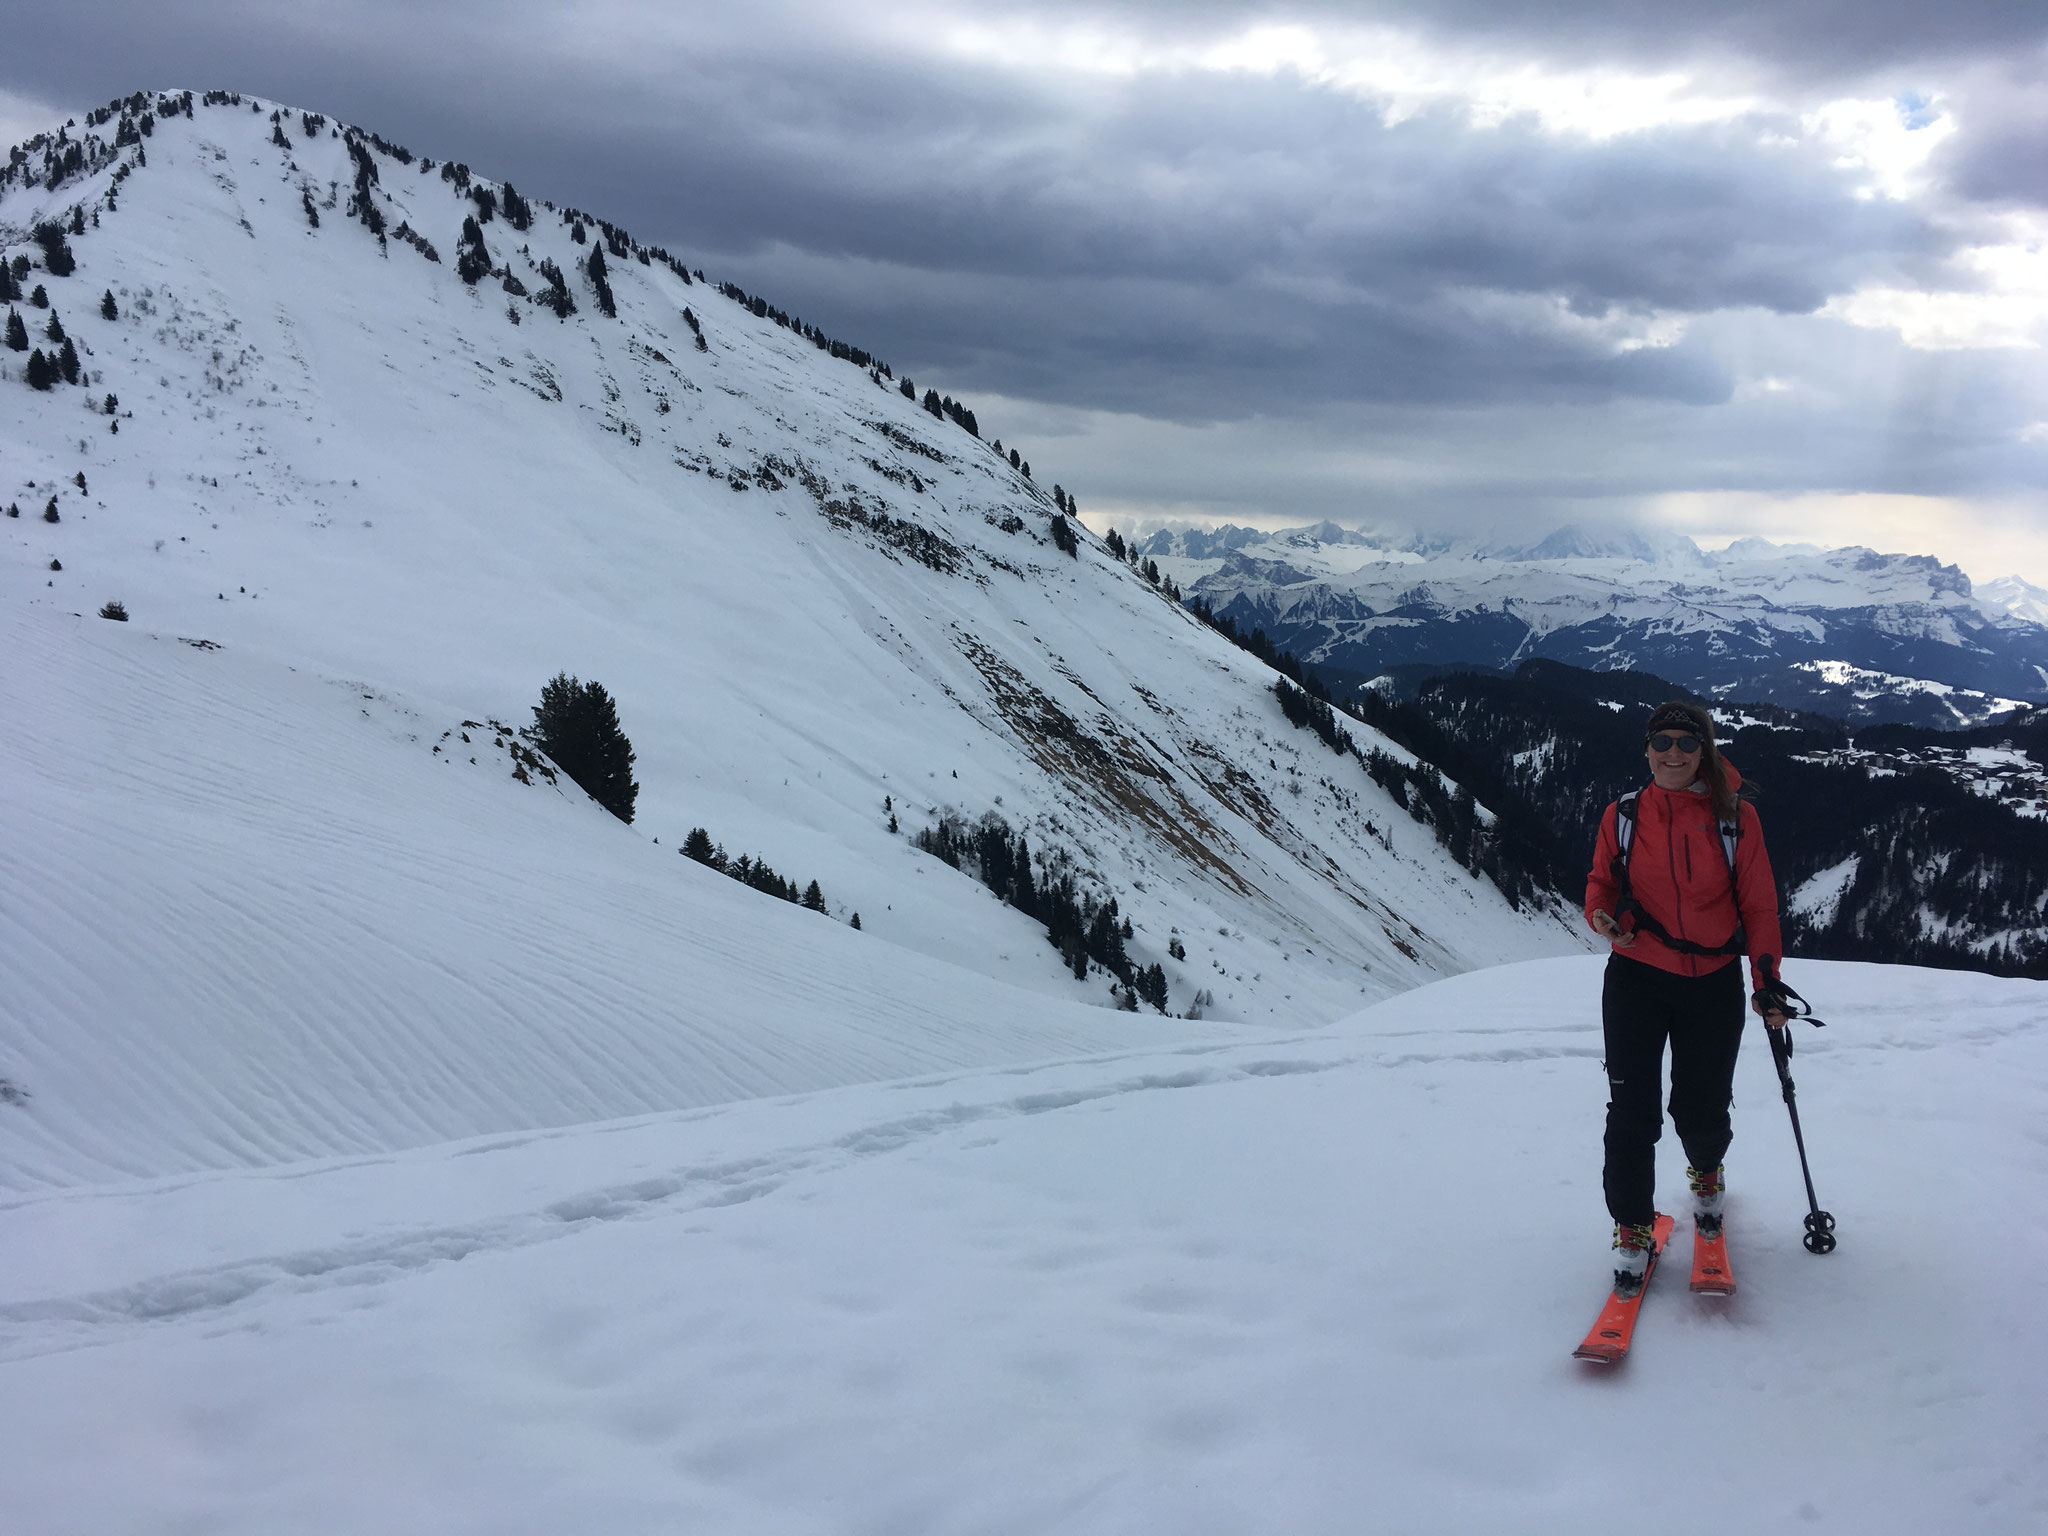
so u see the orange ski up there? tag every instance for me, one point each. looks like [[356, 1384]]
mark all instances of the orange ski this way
[[1710, 1273], [1612, 1332]]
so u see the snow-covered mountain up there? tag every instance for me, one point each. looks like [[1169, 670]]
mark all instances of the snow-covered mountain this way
[[333, 465], [590, 1189], [2017, 596], [1848, 632]]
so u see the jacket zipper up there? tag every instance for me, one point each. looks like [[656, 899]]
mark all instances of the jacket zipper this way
[[1672, 843]]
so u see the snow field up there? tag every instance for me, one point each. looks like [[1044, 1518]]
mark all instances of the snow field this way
[[252, 917], [1322, 1284]]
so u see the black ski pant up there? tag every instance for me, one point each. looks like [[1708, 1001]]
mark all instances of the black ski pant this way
[[1702, 1016]]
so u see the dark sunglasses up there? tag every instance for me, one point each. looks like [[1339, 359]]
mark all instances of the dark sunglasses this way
[[1663, 743]]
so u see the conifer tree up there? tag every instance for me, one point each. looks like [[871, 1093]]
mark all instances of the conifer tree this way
[[17, 333], [814, 899], [39, 374], [54, 331], [600, 282], [67, 362], [57, 257], [577, 725], [109, 310], [472, 260]]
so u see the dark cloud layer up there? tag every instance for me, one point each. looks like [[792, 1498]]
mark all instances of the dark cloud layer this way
[[1199, 246]]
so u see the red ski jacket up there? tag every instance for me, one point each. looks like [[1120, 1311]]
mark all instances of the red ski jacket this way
[[1678, 871]]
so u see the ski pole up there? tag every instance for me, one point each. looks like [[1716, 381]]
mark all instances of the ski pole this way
[[1820, 1226]]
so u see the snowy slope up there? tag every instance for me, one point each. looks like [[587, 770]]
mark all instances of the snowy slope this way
[[1319, 1284], [336, 455], [253, 916]]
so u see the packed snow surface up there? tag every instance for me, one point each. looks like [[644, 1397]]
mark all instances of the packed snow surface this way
[[1326, 1283]]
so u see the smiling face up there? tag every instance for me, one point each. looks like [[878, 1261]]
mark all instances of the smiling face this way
[[1671, 768]]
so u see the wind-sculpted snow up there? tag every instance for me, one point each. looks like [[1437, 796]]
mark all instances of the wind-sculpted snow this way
[[1320, 1283], [255, 916]]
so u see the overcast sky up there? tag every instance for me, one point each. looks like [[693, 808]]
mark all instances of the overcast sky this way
[[1771, 267]]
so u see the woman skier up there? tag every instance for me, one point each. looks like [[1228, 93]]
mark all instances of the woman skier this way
[[1680, 886]]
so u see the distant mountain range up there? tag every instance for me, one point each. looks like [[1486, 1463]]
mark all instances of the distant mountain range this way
[[1851, 633]]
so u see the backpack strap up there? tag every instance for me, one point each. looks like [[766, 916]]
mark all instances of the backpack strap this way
[[1625, 903]]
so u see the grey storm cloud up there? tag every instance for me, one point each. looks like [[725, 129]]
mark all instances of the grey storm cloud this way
[[1205, 246]]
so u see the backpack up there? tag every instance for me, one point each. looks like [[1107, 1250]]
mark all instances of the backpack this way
[[1625, 901]]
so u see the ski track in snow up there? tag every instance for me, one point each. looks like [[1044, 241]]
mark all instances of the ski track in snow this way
[[1287, 1284], [43, 1325]]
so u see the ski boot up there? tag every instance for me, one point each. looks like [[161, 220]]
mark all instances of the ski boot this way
[[1632, 1246], [1709, 1188]]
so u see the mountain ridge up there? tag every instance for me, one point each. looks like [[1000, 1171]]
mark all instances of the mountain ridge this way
[[1755, 620]]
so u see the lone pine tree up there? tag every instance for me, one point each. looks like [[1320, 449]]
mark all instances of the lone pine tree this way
[[577, 725]]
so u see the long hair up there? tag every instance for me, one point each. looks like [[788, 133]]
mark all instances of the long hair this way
[[1689, 716]]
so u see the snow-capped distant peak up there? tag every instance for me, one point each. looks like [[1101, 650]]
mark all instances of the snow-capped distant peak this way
[[2014, 595]]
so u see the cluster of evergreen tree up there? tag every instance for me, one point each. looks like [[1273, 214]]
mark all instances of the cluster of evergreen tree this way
[[557, 297], [384, 146], [57, 258], [472, 260], [1149, 569], [1063, 536], [50, 159], [946, 408], [417, 241], [1256, 642], [44, 371], [361, 205], [1304, 709], [751, 872], [600, 282], [1514, 853], [1082, 927], [860, 357], [517, 210], [577, 725]]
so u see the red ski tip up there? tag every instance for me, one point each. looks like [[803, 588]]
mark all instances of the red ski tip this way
[[1612, 1332]]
